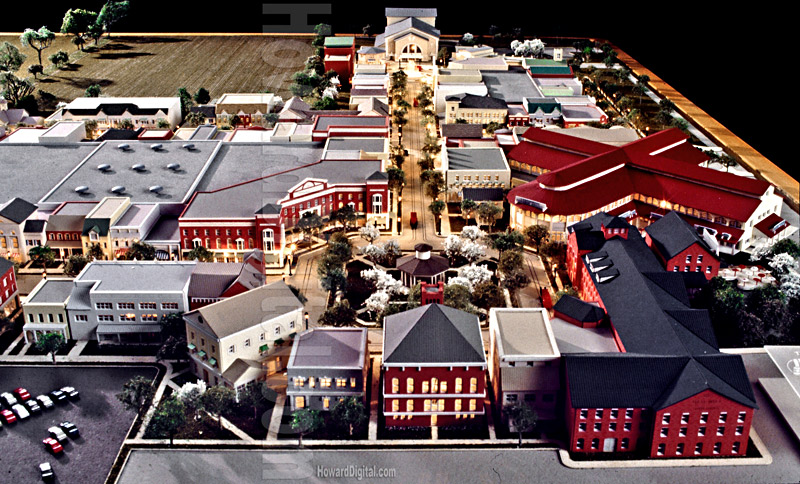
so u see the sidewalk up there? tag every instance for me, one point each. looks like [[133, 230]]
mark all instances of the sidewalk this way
[[275, 418]]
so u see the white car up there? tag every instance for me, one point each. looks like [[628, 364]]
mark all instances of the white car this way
[[45, 402], [57, 433], [8, 399], [21, 412]]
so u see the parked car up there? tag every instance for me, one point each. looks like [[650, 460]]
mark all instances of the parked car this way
[[58, 396], [57, 433], [22, 394], [8, 399], [52, 445], [21, 412], [71, 393], [8, 416], [70, 429], [47, 472], [414, 220], [45, 402], [32, 406]]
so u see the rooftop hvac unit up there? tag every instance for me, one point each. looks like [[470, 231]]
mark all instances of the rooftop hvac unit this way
[[104, 167], [81, 189], [138, 167], [124, 146], [156, 188], [188, 146], [156, 146], [174, 166], [118, 189]]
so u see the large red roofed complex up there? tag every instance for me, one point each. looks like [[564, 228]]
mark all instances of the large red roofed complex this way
[[641, 182]]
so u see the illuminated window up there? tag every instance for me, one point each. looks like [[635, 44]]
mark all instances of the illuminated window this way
[[409, 405], [409, 385], [458, 385], [473, 385], [299, 402], [395, 385]]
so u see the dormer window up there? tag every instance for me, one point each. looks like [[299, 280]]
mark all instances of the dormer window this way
[[93, 235]]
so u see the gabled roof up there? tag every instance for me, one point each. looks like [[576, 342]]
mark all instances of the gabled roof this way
[[5, 265], [34, 226], [433, 266], [672, 235], [329, 348], [410, 12], [212, 280], [404, 25], [579, 310], [17, 210], [772, 225], [433, 334]]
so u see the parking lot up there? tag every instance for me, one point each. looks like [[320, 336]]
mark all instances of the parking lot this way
[[101, 419]]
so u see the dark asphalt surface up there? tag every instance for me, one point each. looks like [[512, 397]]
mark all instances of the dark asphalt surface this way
[[98, 415]]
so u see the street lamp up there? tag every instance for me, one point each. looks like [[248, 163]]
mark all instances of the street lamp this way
[[292, 248], [305, 318]]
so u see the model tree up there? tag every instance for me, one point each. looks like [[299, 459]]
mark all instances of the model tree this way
[[338, 315], [59, 59], [535, 235], [202, 96], [92, 91], [111, 13], [11, 58], [168, 418], [305, 421], [51, 343], [37, 40], [350, 414], [141, 251], [488, 213], [201, 254], [77, 22], [218, 400], [522, 417], [42, 254], [136, 393]]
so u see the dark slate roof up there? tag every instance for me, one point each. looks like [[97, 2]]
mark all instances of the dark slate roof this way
[[672, 235], [17, 210], [115, 109], [208, 110], [329, 348], [120, 134], [99, 225], [482, 194], [34, 226], [433, 334], [462, 130], [579, 310], [479, 102], [5, 265], [378, 175], [672, 352], [423, 268], [410, 12]]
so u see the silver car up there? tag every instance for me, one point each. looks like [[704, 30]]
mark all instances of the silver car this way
[[8, 399], [57, 433], [45, 401]]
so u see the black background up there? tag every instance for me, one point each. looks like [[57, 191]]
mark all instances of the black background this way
[[733, 63]]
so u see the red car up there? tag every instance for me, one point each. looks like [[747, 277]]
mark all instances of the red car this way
[[8, 416], [22, 394], [413, 220], [53, 445]]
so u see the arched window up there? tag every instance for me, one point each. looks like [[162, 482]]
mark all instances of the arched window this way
[[196, 243], [377, 203], [239, 244]]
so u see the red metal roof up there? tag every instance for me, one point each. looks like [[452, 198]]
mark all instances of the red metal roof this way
[[565, 142], [772, 225], [543, 156]]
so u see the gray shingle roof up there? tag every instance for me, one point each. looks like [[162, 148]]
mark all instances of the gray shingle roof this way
[[53, 291], [34, 226], [329, 348], [433, 334], [402, 26], [512, 86], [164, 276], [5, 265], [476, 159], [579, 310], [672, 235], [410, 12], [212, 279], [461, 130]]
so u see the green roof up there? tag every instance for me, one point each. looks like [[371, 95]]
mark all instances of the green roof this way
[[547, 105], [543, 62], [559, 69], [339, 41]]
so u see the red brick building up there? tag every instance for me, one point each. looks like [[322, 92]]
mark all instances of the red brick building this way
[[669, 392], [340, 56], [434, 367], [680, 248], [8, 287]]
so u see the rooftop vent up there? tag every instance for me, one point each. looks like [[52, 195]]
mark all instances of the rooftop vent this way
[[188, 146], [104, 167], [118, 189], [156, 188], [124, 146], [81, 189], [174, 166], [156, 146], [138, 167]]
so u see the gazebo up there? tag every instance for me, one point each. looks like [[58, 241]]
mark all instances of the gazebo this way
[[422, 266]]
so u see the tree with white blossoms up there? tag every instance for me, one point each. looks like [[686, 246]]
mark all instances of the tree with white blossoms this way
[[528, 48], [783, 263], [473, 233], [377, 303], [468, 39], [790, 284], [330, 92], [190, 394], [461, 281], [370, 233], [373, 252], [474, 274], [472, 251], [452, 246], [392, 248], [384, 282]]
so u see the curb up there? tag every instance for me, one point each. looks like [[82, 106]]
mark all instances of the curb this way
[[765, 459]]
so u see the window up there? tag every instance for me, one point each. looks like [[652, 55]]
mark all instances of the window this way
[[582, 427], [104, 305], [169, 305], [427, 405], [395, 405], [723, 417], [326, 383], [735, 448], [247, 343], [127, 317], [443, 387], [708, 269], [595, 443], [277, 330], [674, 268], [626, 426], [352, 382], [458, 385], [584, 413], [409, 405], [326, 403], [720, 431], [701, 431], [472, 404], [661, 448], [679, 449], [629, 413], [409, 385], [665, 419], [434, 385], [717, 447], [739, 429], [688, 259], [612, 427], [685, 418], [624, 443], [395, 385], [700, 259], [614, 413], [299, 402], [268, 236], [704, 417], [682, 432], [598, 426], [425, 386], [299, 381], [664, 432], [473, 385], [150, 317], [579, 444], [232, 349], [311, 382], [147, 305], [685, 268], [698, 449], [125, 306], [742, 416], [341, 382], [30, 316]]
